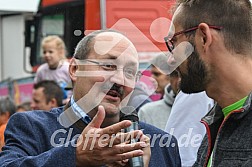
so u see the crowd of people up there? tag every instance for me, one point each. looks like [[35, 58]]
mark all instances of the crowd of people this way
[[202, 118]]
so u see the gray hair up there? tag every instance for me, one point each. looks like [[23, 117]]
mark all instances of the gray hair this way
[[7, 105], [83, 48], [160, 61]]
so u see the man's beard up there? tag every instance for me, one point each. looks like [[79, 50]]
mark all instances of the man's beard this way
[[197, 76]]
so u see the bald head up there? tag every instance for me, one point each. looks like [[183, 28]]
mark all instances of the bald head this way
[[101, 41]]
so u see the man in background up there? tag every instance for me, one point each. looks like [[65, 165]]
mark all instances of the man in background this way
[[7, 109], [46, 95], [161, 79], [157, 113]]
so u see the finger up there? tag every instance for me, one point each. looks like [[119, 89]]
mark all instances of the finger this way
[[124, 137], [124, 156], [146, 150], [115, 128], [98, 118], [125, 161], [117, 164], [124, 148], [145, 139]]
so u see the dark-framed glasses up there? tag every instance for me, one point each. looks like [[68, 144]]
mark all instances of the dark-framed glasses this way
[[169, 39], [128, 72]]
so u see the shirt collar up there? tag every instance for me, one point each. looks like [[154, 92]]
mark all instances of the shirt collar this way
[[79, 112]]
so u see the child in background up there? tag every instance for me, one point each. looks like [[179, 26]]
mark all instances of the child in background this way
[[56, 66]]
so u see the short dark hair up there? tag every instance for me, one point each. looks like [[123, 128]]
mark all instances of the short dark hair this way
[[51, 90], [7, 105], [83, 48], [233, 15]]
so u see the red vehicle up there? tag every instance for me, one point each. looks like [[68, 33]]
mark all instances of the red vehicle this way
[[71, 18], [145, 22]]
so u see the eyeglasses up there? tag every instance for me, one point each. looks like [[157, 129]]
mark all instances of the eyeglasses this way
[[169, 40], [128, 72]]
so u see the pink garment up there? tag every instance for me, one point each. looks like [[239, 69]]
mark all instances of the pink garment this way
[[59, 75]]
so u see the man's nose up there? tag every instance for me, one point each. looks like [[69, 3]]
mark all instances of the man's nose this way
[[118, 77]]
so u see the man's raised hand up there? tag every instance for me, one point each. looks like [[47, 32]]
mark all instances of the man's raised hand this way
[[99, 146]]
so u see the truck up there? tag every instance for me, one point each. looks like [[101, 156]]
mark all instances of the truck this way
[[145, 22]]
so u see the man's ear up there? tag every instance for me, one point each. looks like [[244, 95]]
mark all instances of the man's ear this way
[[54, 103], [73, 67], [205, 36]]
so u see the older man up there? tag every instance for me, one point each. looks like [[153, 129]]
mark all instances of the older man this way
[[219, 35], [7, 108], [103, 72]]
